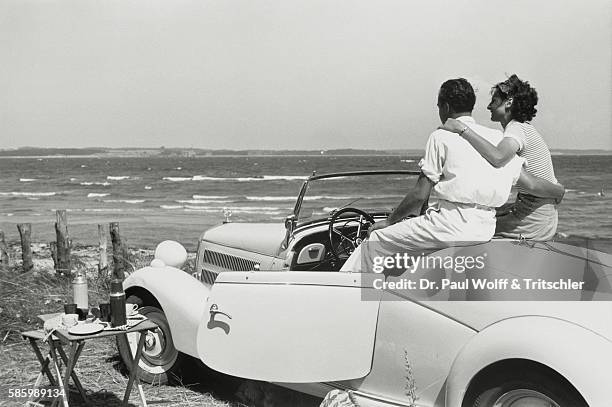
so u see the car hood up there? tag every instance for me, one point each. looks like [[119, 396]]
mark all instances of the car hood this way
[[262, 238]]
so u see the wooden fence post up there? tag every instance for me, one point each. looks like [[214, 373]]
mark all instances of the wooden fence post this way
[[120, 252], [53, 250], [25, 231], [103, 257], [4, 259], [63, 243]]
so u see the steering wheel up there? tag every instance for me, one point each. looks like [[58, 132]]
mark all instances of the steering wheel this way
[[346, 237]]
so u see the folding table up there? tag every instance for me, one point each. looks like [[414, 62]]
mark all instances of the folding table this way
[[76, 343]]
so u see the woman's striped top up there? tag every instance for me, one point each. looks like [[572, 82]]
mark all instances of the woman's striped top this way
[[533, 149]]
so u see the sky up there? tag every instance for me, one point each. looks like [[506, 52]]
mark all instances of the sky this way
[[310, 74]]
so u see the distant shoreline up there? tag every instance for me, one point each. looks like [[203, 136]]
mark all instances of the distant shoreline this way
[[43, 153]]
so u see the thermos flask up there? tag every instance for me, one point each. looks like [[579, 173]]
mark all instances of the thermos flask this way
[[117, 303], [79, 291]]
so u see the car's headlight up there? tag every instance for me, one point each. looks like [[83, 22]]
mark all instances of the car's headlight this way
[[170, 253]]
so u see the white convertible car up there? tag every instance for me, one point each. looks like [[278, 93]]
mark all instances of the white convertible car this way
[[267, 302]]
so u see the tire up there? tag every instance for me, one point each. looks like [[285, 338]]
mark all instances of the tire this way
[[160, 362], [530, 388]]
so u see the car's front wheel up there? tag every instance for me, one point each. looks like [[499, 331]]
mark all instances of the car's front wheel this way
[[160, 361], [524, 389]]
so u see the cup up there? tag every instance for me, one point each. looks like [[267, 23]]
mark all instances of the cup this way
[[130, 309], [105, 312], [70, 308], [82, 313], [94, 312], [69, 320]]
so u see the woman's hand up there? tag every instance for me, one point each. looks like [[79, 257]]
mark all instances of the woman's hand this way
[[452, 125], [524, 205], [505, 209]]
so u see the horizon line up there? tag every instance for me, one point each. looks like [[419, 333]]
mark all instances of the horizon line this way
[[254, 149]]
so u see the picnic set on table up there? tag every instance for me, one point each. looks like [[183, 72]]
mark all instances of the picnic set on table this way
[[79, 319], [79, 323]]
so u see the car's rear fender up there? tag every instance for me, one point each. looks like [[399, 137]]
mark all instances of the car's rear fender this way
[[181, 297], [576, 353]]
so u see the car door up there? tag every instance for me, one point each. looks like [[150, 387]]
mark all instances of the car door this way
[[292, 327]]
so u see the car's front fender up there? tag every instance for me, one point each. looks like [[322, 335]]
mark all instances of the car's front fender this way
[[583, 357], [181, 296]]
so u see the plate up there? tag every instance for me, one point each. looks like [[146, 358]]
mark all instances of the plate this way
[[86, 329]]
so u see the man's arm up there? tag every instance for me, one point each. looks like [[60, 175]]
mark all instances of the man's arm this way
[[497, 156], [410, 205], [540, 187], [413, 201]]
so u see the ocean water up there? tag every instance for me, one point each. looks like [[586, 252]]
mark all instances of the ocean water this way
[[158, 198]]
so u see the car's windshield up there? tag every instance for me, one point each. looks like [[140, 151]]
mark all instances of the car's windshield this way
[[371, 193]]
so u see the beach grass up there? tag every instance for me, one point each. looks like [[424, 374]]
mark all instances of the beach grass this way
[[24, 295]]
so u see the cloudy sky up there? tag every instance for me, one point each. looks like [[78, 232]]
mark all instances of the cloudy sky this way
[[290, 74]]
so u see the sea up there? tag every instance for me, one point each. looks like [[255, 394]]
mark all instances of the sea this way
[[178, 198]]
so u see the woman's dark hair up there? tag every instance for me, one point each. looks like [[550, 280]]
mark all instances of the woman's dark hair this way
[[459, 95], [524, 98]]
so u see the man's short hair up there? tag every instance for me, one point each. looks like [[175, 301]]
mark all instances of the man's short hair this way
[[459, 95]]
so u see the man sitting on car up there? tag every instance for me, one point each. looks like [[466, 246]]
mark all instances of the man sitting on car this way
[[466, 186]]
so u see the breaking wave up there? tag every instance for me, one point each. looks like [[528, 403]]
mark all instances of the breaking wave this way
[[238, 179], [177, 179], [220, 209], [28, 193], [243, 211], [247, 179], [271, 198], [202, 201], [129, 201], [293, 198], [237, 208], [113, 210], [210, 196], [171, 206], [270, 210], [87, 183]]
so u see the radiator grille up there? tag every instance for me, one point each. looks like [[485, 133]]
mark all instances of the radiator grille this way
[[208, 276], [223, 261]]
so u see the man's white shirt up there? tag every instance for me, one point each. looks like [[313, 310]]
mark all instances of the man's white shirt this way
[[461, 174]]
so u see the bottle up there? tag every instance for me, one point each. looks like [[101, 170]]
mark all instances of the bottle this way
[[117, 303], [79, 291]]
